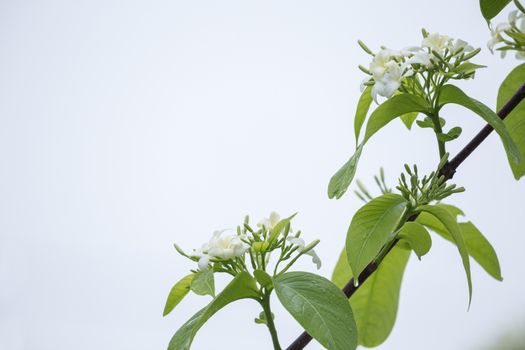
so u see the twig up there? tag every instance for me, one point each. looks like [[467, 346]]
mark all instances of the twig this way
[[448, 171]]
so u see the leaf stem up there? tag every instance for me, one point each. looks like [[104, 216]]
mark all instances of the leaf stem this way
[[437, 128]]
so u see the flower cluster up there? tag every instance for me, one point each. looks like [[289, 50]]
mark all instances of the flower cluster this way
[[220, 248], [232, 252], [418, 69], [509, 35]]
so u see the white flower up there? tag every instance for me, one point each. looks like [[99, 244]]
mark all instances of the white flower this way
[[388, 84], [299, 243], [461, 44], [220, 247], [204, 258], [388, 69], [436, 42], [382, 61], [270, 222], [496, 35], [514, 16], [226, 247], [420, 57]]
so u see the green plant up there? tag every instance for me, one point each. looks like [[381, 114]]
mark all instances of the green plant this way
[[413, 85]]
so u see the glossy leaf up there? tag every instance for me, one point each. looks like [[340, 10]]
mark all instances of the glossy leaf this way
[[241, 287], [478, 246], [453, 94], [449, 222], [409, 119], [341, 180], [371, 228], [362, 110], [203, 283], [515, 121], [417, 237], [391, 109], [177, 293], [394, 107], [491, 8], [320, 308], [480, 249], [263, 278], [376, 301]]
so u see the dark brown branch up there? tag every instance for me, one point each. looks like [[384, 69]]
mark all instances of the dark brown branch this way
[[448, 171]]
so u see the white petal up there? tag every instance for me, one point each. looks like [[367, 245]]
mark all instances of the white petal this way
[[204, 261], [274, 218], [315, 258], [296, 242]]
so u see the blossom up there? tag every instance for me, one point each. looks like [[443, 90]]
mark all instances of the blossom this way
[[514, 16], [387, 70], [420, 57], [496, 35], [436, 42], [223, 247], [461, 45], [382, 62], [299, 243], [270, 222], [388, 84]]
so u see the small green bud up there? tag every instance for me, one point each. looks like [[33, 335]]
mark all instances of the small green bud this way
[[311, 246], [471, 54], [365, 48], [364, 70], [246, 226], [179, 250], [260, 246]]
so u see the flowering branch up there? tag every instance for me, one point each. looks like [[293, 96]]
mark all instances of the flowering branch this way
[[448, 172]]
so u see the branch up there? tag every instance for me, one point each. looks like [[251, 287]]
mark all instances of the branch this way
[[448, 171]]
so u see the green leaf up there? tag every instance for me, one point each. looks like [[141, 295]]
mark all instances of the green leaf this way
[[362, 110], [453, 94], [263, 278], [478, 246], [491, 8], [452, 134], [279, 227], [203, 283], [449, 222], [515, 121], [262, 318], [177, 293], [320, 308], [341, 180], [241, 287], [371, 228], [408, 119], [376, 301], [392, 108], [467, 67], [417, 237], [480, 249]]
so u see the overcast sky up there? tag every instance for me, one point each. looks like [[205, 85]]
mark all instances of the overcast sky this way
[[127, 126]]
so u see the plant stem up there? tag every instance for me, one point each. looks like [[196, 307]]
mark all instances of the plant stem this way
[[448, 171], [265, 302], [437, 128]]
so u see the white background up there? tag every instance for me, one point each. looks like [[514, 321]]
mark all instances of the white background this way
[[127, 126]]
